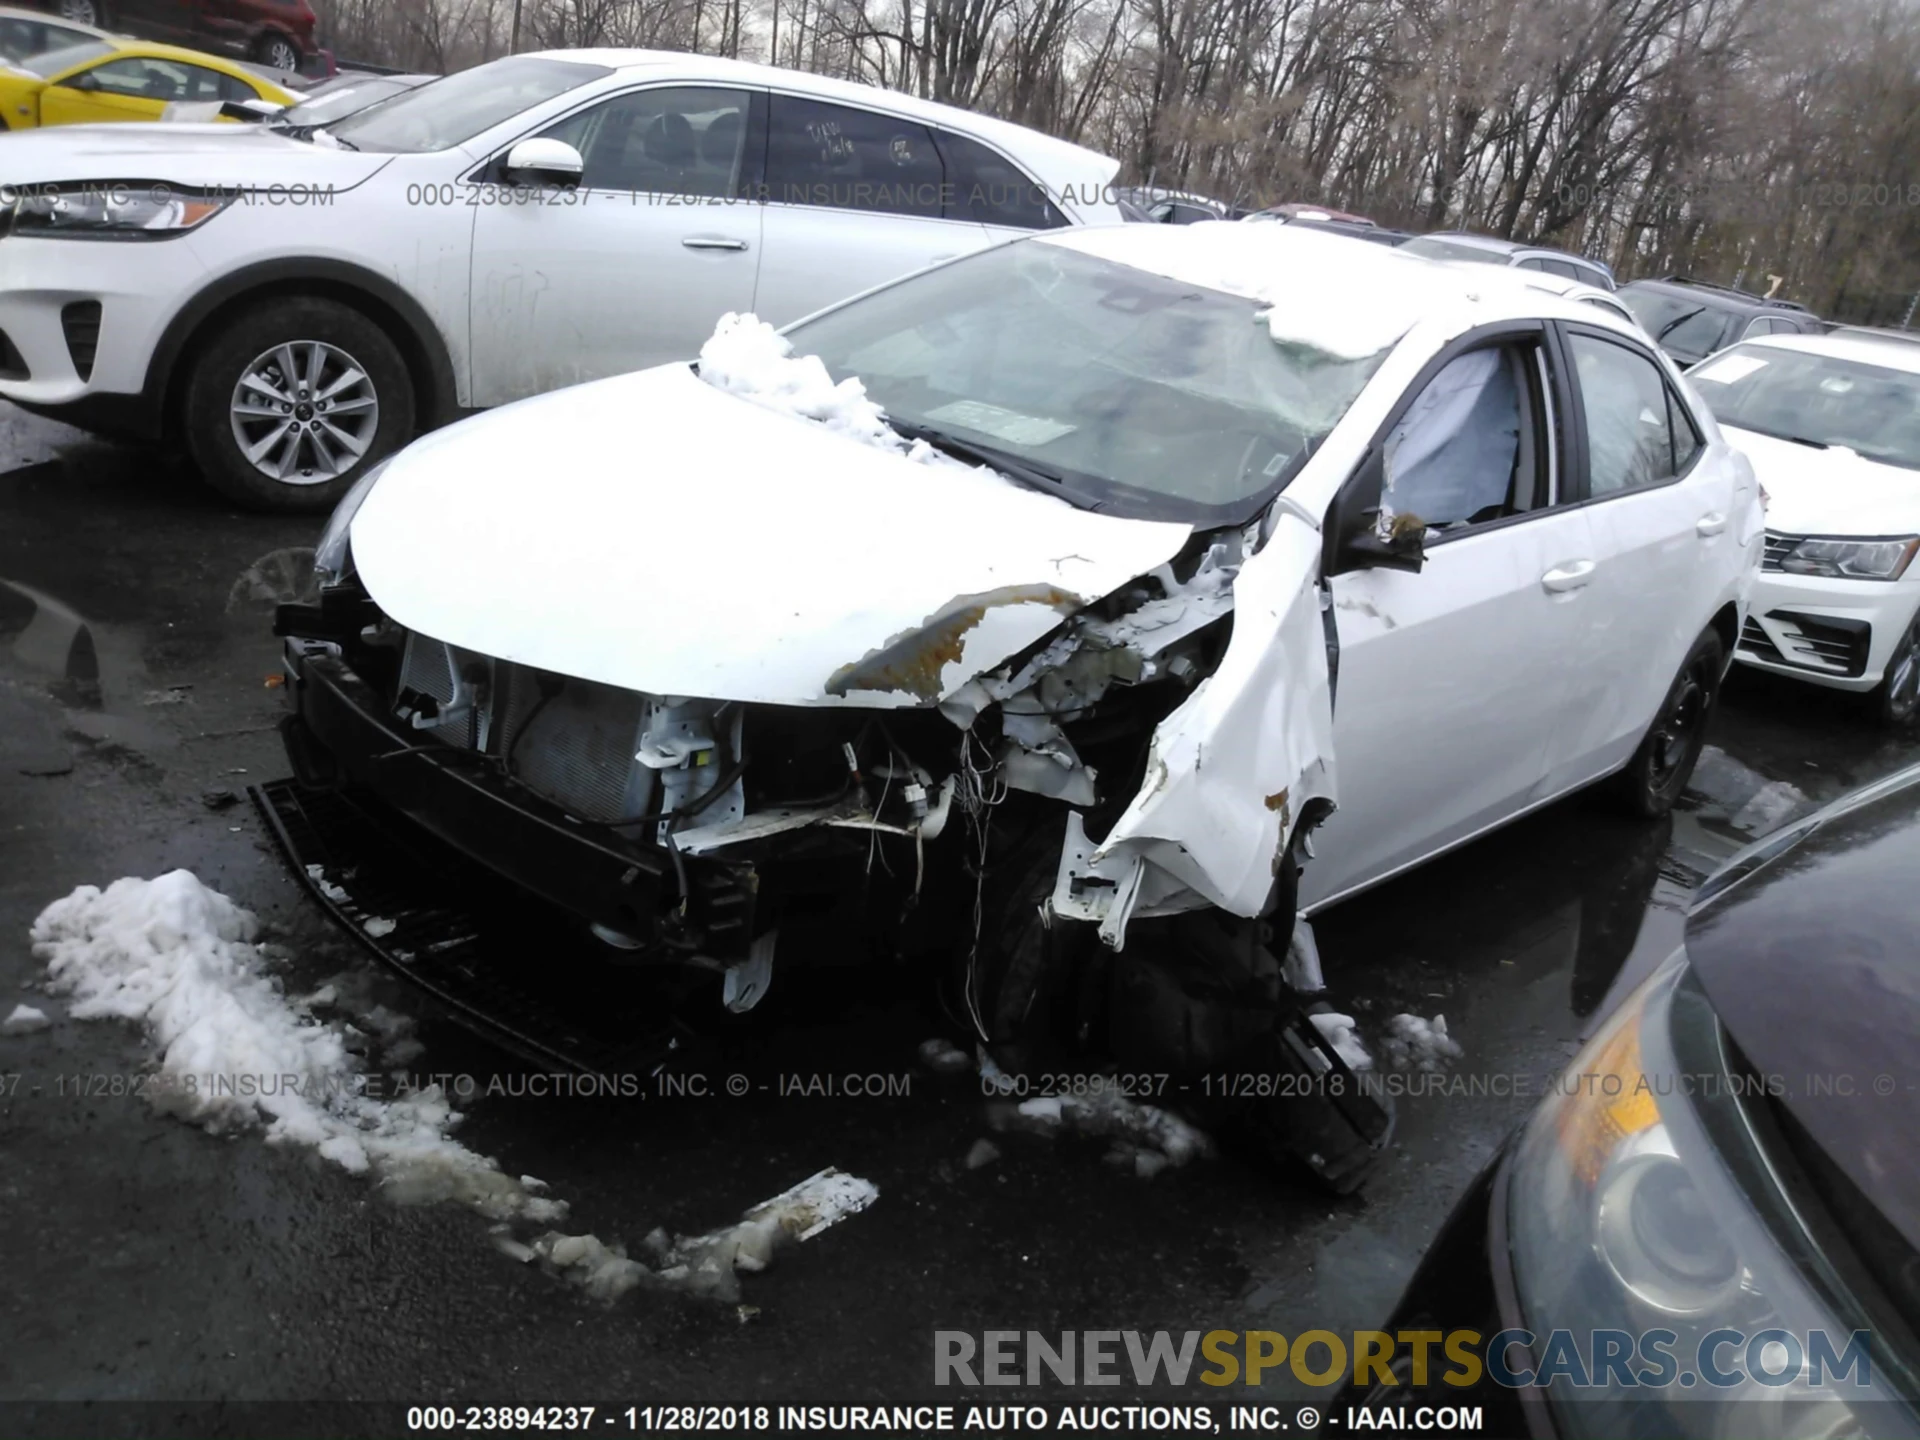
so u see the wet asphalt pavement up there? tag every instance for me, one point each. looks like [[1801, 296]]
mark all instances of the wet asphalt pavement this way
[[144, 1259]]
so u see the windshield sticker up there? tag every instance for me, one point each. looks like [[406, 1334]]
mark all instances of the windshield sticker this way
[[1729, 368], [1008, 425]]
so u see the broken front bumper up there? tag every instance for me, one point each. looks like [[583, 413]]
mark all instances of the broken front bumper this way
[[340, 732]]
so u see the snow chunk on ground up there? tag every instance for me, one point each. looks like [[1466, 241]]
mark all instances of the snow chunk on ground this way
[[710, 1264], [1146, 1138], [182, 961], [1341, 1033], [318, 874], [24, 1020], [943, 1057], [1413, 1043]]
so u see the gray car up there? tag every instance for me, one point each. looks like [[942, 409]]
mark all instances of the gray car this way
[[1492, 250]]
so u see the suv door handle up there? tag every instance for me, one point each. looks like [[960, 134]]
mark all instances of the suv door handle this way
[[712, 242], [1570, 576], [1710, 524]]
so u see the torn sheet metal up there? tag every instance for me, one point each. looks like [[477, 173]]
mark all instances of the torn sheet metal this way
[[1261, 726]]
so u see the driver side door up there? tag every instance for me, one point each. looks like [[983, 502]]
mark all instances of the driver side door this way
[[1451, 679], [634, 266]]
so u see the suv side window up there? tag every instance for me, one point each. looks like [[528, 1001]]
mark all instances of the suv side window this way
[[1591, 275], [673, 140], [1632, 440], [991, 190], [848, 159], [1469, 449]]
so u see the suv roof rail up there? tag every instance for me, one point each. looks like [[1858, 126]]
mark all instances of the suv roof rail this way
[[1734, 290]]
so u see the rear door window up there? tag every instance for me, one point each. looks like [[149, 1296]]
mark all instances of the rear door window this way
[[1631, 419], [988, 188], [842, 158]]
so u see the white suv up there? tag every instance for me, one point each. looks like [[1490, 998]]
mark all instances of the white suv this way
[[296, 303]]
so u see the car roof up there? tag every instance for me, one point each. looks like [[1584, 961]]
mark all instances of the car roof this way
[[1071, 162], [1724, 297], [1376, 285], [1866, 350]]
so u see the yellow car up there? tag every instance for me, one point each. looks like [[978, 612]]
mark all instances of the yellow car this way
[[115, 79]]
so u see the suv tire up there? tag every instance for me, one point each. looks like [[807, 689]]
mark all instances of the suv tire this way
[[347, 403], [277, 52]]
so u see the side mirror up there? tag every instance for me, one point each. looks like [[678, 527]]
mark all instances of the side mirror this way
[[1352, 526], [1405, 547], [549, 162], [86, 80]]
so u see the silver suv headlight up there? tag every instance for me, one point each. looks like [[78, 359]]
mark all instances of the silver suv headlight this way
[[333, 556]]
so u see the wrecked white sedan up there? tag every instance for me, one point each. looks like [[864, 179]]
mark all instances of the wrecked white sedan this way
[[1002, 613]]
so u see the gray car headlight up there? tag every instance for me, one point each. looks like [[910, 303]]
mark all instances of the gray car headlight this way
[[333, 556], [1852, 559], [1630, 1238], [113, 211]]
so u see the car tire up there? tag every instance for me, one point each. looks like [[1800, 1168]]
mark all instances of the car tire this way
[[82, 12], [230, 393], [278, 52], [1660, 768], [1896, 699]]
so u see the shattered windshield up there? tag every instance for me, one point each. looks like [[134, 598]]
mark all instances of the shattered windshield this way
[[1122, 390], [1817, 400]]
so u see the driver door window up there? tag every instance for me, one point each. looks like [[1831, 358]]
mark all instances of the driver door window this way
[[682, 140], [1467, 451]]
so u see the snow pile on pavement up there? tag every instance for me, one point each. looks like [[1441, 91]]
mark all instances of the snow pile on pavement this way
[[24, 1020], [1341, 1033], [1413, 1043], [1146, 1139], [708, 1264], [184, 962]]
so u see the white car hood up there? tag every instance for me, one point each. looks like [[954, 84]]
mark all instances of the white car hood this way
[[653, 532], [1830, 492], [212, 156]]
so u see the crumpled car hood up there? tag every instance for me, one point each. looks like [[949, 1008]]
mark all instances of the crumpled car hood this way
[[1830, 492], [653, 532]]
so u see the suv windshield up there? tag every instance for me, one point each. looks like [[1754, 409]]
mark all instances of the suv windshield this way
[[1688, 326], [451, 111], [1816, 399], [1120, 389], [65, 58]]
